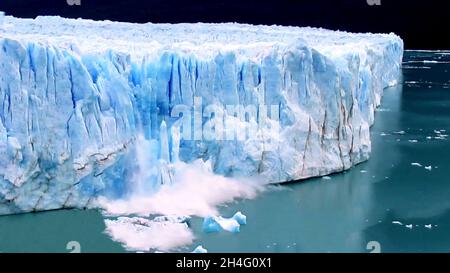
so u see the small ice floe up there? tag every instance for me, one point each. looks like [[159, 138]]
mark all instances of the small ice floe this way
[[410, 226], [172, 219], [397, 223], [218, 223], [440, 134], [416, 164], [413, 141], [415, 67], [326, 177], [200, 249], [429, 168], [429, 137], [428, 226], [363, 171], [399, 133], [383, 134]]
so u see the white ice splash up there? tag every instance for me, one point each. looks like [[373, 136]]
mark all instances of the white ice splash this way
[[164, 185], [196, 190], [141, 234]]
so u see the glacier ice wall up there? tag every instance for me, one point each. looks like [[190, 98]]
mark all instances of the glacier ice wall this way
[[76, 96]]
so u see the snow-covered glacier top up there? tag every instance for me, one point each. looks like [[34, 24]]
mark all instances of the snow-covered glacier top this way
[[201, 39]]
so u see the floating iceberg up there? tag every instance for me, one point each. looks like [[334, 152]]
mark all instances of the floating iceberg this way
[[218, 223], [282, 103], [200, 249]]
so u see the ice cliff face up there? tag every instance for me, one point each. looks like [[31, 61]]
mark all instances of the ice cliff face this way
[[77, 95]]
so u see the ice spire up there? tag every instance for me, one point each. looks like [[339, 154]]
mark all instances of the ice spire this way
[[164, 142]]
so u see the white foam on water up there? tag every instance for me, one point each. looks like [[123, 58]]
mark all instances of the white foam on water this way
[[138, 234], [196, 190]]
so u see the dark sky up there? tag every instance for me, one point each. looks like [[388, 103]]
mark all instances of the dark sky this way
[[422, 24]]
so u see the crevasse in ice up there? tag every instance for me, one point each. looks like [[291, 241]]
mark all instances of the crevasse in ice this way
[[77, 95]]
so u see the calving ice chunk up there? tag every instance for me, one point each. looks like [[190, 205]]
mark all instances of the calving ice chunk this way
[[77, 95]]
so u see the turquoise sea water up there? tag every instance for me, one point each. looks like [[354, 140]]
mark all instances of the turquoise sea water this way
[[404, 207]]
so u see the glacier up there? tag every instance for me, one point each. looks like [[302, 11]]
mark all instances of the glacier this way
[[86, 105]]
